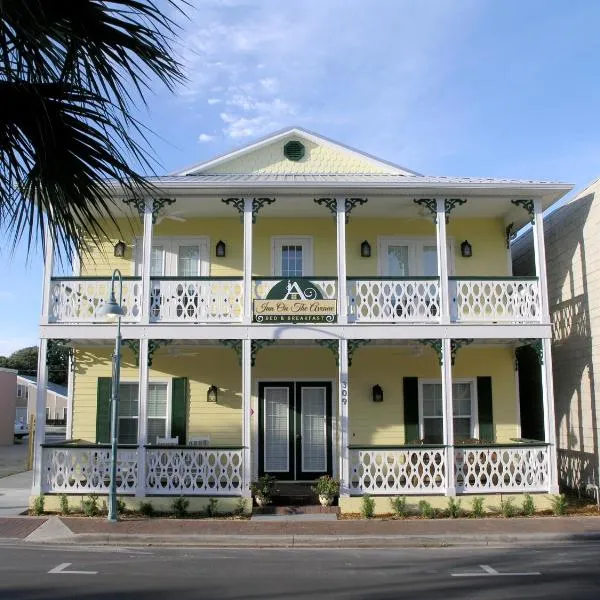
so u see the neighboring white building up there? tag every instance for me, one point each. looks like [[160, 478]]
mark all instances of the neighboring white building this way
[[56, 400]]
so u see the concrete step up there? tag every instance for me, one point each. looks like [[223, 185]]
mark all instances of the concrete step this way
[[309, 509]]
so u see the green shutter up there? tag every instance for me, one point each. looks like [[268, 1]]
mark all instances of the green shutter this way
[[103, 410], [411, 409], [484, 407], [179, 408]]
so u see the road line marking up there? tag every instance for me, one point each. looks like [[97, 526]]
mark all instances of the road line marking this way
[[61, 569], [489, 569], [491, 572]]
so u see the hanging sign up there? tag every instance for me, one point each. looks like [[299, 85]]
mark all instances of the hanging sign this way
[[295, 300]]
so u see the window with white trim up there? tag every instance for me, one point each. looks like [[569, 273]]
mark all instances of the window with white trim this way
[[157, 412], [292, 257], [21, 390], [431, 411]]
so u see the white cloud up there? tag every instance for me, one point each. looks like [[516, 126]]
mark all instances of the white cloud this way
[[10, 345], [214, 101], [205, 137]]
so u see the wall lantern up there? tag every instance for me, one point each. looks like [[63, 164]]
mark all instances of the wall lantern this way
[[466, 250], [120, 249], [365, 249], [213, 394], [220, 249], [377, 393]]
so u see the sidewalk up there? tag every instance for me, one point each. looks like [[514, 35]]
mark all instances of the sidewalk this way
[[14, 493], [342, 534]]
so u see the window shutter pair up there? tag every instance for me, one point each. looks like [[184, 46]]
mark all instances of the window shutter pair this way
[[178, 409], [411, 409]]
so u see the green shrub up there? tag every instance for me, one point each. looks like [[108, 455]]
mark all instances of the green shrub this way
[[454, 509], [368, 507], [427, 511], [180, 507], [507, 508], [38, 505], [121, 506], [477, 504], [528, 506], [559, 505], [239, 509], [146, 509], [89, 506], [399, 506], [212, 508], [64, 504]]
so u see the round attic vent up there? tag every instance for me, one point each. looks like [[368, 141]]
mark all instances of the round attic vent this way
[[293, 150]]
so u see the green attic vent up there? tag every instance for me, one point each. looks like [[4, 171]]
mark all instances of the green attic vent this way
[[293, 150]]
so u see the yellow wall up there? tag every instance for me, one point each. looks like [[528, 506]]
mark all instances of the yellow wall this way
[[485, 235]]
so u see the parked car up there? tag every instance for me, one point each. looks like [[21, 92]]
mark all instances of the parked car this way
[[21, 430]]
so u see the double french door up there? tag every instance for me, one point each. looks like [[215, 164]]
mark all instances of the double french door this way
[[295, 429]]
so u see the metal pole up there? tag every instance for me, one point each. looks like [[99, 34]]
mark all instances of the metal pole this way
[[115, 396]]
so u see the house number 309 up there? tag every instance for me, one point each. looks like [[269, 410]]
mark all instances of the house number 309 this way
[[344, 392]]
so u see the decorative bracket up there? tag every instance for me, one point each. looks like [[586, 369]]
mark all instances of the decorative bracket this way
[[350, 203], [257, 204], [431, 204], [157, 205], [236, 346], [237, 203], [153, 346], [436, 345], [355, 345], [255, 346], [450, 204], [527, 204], [536, 345], [456, 345], [134, 346], [334, 346], [138, 203], [510, 234], [330, 203]]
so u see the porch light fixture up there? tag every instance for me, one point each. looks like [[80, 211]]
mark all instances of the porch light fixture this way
[[377, 393], [113, 309], [120, 249], [220, 249], [466, 250], [213, 394], [365, 249]]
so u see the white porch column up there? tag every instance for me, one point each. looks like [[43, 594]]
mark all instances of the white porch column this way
[[342, 302], [540, 259], [146, 262], [40, 415], [142, 418], [442, 256], [448, 415], [247, 317], [70, 392], [549, 421], [48, 271], [246, 423], [343, 399]]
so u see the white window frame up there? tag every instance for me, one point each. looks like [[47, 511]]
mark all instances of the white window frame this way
[[306, 241], [166, 382], [474, 411], [415, 252], [171, 253]]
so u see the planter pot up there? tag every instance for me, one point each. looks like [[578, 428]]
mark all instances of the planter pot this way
[[325, 500]]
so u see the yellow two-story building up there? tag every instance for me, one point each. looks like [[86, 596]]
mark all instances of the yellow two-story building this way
[[300, 308]]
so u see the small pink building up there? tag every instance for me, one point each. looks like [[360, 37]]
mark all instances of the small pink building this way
[[8, 392]]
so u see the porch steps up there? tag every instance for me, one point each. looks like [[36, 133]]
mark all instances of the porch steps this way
[[309, 509]]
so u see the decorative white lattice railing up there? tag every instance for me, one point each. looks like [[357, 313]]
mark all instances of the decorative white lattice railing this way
[[196, 299], [77, 299], [189, 471], [413, 300], [261, 286], [492, 469], [80, 469], [406, 470], [509, 299]]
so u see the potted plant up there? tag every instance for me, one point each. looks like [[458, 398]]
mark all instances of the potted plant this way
[[263, 489], [327, 488]]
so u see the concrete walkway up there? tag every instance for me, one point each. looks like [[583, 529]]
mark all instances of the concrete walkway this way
[[334, 534], [14, 493]]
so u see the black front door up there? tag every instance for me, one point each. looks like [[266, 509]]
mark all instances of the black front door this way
[[295, 429]]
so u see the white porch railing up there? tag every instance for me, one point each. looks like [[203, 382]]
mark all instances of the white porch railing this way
[[86, 469], [188, 471], [77, 299], [418, 470], [261, 286], [511, 468], [512, 299], [411, 300], [197, 299]]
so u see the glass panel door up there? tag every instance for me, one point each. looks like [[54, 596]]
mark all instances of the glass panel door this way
[[397, 264], [276, 428], [188, 261], [313, 419]]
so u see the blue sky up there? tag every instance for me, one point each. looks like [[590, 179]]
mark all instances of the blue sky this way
[[444, 87]]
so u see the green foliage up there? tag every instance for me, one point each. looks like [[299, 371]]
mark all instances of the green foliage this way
[[327, 486], [528, 505], [264, 487], [507, 508], [180, 507], [399, 506], [90, 507], [367, 509], [64, 504], [559, 505], [477, 504], [146, 509], [121, 506], [240, 507], [25, 361], [454, 509], [212, 510], [38, 505], [427, 511]]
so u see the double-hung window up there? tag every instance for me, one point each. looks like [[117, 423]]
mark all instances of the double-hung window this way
[[157, 412], [431, 412], [292, 257]]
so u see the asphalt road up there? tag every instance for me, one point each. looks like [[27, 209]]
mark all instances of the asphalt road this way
[[560, 571]]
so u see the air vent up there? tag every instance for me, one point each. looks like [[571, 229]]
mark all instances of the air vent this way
[[293, 150]]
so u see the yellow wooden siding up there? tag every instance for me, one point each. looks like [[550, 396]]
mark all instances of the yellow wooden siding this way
[[318, 158]]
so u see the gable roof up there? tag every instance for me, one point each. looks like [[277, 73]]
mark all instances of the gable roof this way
[[61, 390], [221, 161]]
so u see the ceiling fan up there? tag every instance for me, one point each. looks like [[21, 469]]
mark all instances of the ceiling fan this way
[[173, 217]]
